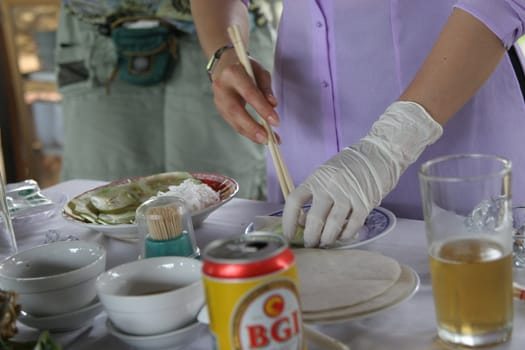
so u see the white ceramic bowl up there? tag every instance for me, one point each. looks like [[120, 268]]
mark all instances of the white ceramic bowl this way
[[152, 296], [55, 278]]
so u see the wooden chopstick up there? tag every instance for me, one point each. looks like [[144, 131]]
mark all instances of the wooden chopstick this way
[[280, 166]]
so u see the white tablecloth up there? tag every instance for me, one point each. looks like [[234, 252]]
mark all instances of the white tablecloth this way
[[410, 325]]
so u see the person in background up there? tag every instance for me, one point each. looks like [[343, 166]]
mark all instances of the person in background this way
[[365, 91], [136, 100]]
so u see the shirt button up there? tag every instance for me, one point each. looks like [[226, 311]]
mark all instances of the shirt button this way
[[318, 24], [324, 84]]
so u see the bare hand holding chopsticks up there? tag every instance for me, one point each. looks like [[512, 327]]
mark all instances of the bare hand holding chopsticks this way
[[280, 167]]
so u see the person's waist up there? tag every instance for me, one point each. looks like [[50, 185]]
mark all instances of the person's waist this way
[[180, 21], [178, 28]]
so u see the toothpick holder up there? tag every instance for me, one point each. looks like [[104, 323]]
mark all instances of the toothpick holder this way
[[166, 229]]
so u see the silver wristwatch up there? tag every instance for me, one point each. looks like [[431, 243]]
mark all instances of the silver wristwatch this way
[[215, 59]]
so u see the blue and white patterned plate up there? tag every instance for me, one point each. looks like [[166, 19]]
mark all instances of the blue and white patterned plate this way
[[379, 223]]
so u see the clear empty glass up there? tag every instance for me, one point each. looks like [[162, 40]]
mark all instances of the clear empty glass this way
[[468, 221], [7, 234]]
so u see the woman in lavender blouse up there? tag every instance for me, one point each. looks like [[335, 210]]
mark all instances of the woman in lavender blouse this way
[[364, 91]]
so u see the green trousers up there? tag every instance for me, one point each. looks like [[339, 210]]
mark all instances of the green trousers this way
[[136, 130]]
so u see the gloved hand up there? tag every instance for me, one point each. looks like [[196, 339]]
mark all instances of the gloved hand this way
[[348, 186]]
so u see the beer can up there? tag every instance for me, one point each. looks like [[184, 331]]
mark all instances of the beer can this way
[[250, 283]]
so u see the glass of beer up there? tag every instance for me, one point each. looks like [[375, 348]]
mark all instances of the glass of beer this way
[[468, 221]]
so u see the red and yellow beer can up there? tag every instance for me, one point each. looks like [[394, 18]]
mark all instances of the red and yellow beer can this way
[[250, 283]]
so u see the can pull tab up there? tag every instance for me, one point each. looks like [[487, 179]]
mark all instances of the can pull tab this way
[[247, 247], [254, 246]]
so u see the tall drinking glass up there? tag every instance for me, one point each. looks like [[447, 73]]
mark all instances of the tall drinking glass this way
[[7, 234], [468, 220]]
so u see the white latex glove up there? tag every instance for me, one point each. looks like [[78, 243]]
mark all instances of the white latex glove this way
[[347, 187]]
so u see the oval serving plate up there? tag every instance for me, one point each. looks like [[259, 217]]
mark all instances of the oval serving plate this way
[[379, 223], [226, 186]]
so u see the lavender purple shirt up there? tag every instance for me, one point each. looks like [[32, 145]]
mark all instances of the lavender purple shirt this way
[[340, 63]]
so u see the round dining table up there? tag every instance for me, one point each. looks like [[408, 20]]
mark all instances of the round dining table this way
[[409, 325]]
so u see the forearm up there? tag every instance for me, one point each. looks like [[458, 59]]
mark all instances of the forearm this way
[[212, 19], [463, 57]]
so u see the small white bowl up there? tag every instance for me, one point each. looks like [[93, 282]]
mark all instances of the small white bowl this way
[[152, 296], [54, 278], [174, 340]]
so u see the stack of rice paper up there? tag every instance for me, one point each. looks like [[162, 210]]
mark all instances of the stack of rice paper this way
[[340, 285]]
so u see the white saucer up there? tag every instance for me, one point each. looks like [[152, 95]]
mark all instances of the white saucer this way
[[175, 340], [63, 322]]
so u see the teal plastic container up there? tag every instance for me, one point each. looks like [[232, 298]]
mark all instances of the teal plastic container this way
[[165, 227], [178, 246]]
